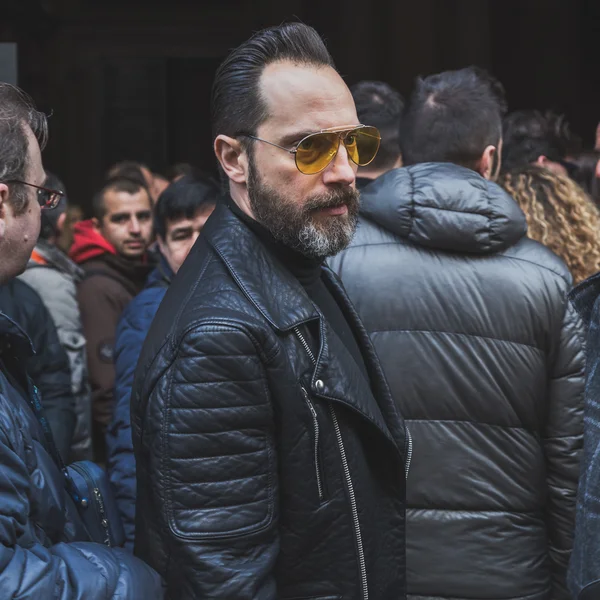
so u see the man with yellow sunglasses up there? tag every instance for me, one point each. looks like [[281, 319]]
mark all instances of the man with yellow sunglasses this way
[[271, 458]]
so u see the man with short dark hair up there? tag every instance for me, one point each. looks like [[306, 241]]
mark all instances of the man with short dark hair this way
[[270, 457], [179, 216], [481, 348], [111, 250], [531, 137], [380, 105], [44, 547], [54, 276]]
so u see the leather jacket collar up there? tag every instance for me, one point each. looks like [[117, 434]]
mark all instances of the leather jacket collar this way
[[288, 307], [255, 271]]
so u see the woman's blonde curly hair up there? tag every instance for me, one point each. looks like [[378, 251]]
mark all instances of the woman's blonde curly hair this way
[[560, 215]]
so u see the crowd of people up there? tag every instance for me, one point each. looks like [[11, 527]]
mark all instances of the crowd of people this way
[[363, 365]]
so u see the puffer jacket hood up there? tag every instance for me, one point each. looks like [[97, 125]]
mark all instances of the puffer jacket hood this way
[[445, 207], [88, 243]]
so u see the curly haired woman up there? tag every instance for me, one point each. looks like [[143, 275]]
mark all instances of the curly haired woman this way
[[560, 215]]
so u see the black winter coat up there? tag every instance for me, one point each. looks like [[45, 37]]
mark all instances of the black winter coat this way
[[49, 367], [263, 475], [483, 354]]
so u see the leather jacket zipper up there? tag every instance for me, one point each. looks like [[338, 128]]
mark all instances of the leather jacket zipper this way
[[313, 412], [350, 487], [409, 450]]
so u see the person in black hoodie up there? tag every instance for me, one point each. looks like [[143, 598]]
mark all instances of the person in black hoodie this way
[[482, 350]]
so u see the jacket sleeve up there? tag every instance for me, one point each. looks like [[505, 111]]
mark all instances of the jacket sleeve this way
[[211, 469], [65, 571], [100, 314], [563, 444], [50, 370], [121, 461]]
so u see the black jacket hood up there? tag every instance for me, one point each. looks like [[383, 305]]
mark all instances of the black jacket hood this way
[[446, 207]]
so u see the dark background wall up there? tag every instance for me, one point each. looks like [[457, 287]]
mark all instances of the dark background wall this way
[[131, 78]]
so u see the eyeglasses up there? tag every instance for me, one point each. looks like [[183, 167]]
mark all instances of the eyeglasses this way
[[316, 151], [47, 198]]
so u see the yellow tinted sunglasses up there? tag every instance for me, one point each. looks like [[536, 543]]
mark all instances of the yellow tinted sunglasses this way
[[316, 151]]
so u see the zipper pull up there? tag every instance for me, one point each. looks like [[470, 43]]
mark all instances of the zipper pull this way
[[310, 404]]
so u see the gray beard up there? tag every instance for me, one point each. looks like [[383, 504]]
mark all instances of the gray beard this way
[[295, 227]]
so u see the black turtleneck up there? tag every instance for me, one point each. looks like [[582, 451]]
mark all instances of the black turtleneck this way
[[308, 273]]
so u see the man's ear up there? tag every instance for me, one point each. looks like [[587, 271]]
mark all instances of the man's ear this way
[[486, 164], [162, 246], [232, 157], [96, 224], [4, 192], [60, 223]]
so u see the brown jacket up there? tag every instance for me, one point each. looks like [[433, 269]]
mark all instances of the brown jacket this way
[[109, 284]]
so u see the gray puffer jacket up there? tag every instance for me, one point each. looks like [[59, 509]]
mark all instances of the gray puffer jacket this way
[[53, 275], [484, 356]]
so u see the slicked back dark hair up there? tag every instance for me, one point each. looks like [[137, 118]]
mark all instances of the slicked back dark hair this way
[[380, 105], [182, 199], [529, 134], [117, 184], [452, 117], [16, 110], [236, 103]]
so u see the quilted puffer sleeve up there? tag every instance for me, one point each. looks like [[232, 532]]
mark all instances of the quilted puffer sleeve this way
[[31, 571], [563, 444], [210, 472]]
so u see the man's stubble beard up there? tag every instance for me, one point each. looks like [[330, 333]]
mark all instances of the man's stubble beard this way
[[296, 226]]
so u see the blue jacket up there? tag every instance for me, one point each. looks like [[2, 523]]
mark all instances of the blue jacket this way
[[584, 570], [44, 549], [131, 333]]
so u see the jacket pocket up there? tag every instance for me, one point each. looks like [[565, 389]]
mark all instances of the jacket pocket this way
[[316, 438]]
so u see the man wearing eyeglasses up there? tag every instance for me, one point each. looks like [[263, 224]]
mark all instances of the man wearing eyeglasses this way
[[54, 276], [271, 459], [44, 552]]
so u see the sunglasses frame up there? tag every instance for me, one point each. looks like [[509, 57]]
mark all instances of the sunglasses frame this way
[[341, 137], [55, 195]]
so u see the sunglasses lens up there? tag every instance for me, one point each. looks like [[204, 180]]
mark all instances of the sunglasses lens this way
[[362, 145], [316, 151]]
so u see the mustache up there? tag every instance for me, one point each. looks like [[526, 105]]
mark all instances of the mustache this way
[[334, 199]]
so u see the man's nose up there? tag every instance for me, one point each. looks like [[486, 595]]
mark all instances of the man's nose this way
[[341, 170], [134, 226]]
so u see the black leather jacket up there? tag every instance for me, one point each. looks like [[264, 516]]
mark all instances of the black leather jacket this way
[[263, 474], [484, 356]]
